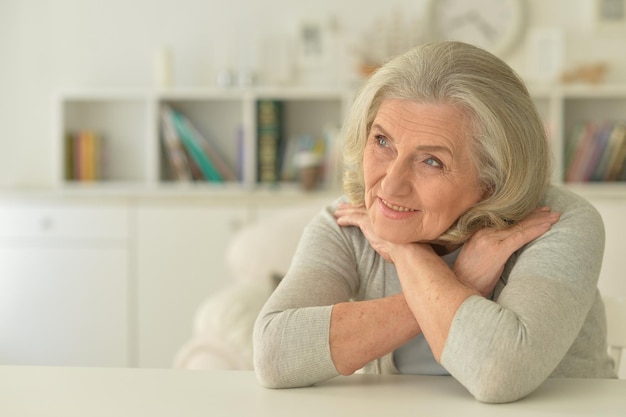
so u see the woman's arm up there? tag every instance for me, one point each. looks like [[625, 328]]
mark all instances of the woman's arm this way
[[528, 331], [366, 330], [310, 329], [433, 291], [502, 350]]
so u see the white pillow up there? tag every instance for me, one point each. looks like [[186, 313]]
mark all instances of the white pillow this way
[[264, 249]]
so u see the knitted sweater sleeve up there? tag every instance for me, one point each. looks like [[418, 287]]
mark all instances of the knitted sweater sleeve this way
[[502, 350], [291, 345]]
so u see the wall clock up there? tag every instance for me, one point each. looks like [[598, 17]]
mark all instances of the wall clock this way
[[495, 25]]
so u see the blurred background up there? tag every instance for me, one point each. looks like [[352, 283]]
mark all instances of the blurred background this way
[[141, 269], [48, 45]]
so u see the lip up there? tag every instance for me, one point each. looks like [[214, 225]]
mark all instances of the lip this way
[[391, 213]]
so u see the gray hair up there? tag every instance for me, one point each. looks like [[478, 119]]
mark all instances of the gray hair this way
[[509, 144]]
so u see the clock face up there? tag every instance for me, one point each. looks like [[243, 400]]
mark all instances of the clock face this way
[[495, 25]]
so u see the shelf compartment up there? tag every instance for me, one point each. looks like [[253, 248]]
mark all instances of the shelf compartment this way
[[123, 125], [220, 123]]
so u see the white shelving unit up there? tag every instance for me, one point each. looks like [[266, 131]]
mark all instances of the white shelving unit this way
[[129, 123], [564, 107]]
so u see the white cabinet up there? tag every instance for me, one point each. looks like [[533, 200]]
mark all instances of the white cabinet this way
[[64, 284], [93, 280], [180, 262]]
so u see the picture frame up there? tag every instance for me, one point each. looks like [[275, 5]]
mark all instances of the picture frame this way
[[545, 54], [610, 16]]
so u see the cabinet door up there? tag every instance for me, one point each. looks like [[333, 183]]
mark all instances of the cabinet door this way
[[63, 305], [64, 275], [180, 262]]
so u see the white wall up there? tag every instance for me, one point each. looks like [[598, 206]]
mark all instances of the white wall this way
[[48, 45]]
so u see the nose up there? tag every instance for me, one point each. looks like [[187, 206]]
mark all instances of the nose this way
[[398, 179]]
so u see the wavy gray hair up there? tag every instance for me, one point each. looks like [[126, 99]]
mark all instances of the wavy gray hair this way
[[509, 144]]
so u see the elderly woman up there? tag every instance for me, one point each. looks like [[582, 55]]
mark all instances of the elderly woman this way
[[463, 261]]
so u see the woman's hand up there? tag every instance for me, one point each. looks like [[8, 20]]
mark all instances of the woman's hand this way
[[349, 215], [482, 258]]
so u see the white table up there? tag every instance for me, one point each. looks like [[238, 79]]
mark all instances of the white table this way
[[88, 392]]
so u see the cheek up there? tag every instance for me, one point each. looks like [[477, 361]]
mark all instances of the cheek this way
[[371, 168], [446, 208]]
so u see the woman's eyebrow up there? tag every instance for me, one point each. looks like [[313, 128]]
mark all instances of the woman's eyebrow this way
[[423, 148], [382, 129], [434, 148]]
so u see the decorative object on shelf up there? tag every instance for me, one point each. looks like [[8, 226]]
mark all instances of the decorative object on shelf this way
[[309, 164], [164, 62], [224, 78], [313, 161], [594, 73], [310, 161], [545, 54], [495, 25], [314, 51], [386, 38], [245, 78]]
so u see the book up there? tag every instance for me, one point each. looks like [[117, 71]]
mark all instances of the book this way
[[618, 156], [70, 160], [269, 140], [616, 135], [174, 149], [583, 139], [590, 142], [600, 140], [194, 148], [83, 156], [226, 172], [572, 144]]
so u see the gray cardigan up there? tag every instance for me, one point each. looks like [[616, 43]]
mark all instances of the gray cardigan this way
[[546, 317]]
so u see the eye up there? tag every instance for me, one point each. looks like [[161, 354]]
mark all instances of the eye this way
[[433, 162], [381, 141]]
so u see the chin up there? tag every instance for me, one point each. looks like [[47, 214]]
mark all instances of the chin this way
[[396, 238]]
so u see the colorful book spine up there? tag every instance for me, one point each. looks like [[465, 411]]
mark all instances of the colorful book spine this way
[[214, 156], [174, 148], [83, 156], [584, 142], [269, 140], [618, 157], [194, 148], [598, 152]]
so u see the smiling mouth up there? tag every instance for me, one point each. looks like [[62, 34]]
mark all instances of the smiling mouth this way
[[396, 208]]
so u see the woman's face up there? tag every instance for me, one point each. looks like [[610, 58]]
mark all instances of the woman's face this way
[[419, 177]]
